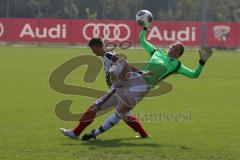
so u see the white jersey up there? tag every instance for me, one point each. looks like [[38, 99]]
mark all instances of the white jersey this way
[[131, 91], [108, 59]]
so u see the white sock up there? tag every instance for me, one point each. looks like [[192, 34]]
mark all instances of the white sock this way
[[109, 123]]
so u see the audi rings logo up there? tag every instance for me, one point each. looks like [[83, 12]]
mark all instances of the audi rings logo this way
[[110, 32], [1, 29]]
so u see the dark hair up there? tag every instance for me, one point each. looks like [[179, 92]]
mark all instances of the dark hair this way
[[95, 42], [181, 49]]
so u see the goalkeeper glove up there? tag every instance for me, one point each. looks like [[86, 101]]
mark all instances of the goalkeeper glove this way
[[204, 54], [146, 29]]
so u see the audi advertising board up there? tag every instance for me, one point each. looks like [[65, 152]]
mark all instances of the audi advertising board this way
[[80, 31]]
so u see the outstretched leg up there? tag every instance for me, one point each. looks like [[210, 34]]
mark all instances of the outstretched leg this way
[[105, 102], [109, 123], [120, 113], [85, 120]]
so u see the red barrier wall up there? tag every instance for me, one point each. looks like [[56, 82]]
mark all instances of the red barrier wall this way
[[80, 31]]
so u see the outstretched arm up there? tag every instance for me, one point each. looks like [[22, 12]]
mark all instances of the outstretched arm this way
[[145, 44], [204, 54], [190, 73]]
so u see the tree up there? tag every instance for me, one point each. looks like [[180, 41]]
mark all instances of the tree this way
[[223, 10], [24, 8], [168, 10]]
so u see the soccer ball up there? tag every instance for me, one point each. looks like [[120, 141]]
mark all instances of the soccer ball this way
[[144, 18]]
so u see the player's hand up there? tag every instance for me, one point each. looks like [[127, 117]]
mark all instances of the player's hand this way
[[204, 54], [146, 28]]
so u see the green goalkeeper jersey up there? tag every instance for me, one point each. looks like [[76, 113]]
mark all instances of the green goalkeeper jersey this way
[[160, 65]]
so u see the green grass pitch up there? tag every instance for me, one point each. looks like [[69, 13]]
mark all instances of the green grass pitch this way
[[29, 128]]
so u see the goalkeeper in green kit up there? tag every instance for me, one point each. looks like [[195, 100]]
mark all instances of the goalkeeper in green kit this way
[[159, 66]]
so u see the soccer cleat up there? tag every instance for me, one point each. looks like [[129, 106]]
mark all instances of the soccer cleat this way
[[148, 136], [69, 133], [89, 136]]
